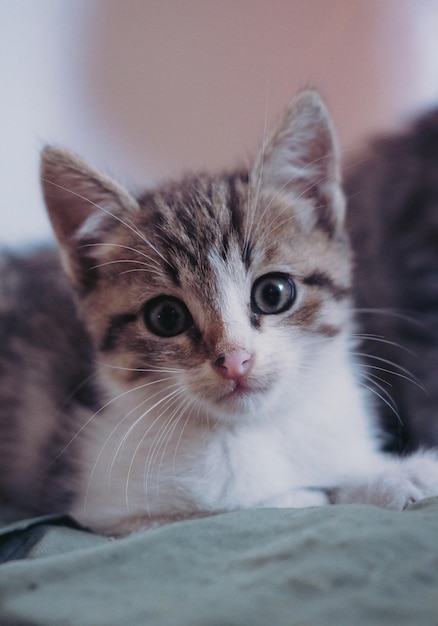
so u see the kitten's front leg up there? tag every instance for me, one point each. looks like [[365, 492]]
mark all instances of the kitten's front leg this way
[[395, 484]]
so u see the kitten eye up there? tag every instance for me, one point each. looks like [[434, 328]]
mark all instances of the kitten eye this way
[[166, 316], [273, 293]]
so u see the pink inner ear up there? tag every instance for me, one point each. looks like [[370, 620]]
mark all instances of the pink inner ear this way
[[303, 146], [234, 366]]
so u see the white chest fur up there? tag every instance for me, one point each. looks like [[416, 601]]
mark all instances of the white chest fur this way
[[140, 460]]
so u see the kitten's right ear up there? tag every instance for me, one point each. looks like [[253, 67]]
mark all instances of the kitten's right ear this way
[[81, 202]]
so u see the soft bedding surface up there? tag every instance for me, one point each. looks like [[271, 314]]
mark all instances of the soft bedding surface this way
[[332, 565]]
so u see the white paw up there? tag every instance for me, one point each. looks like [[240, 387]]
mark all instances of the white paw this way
[[396, 484]]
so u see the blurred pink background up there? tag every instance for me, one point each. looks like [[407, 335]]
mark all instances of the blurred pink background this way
[[147, 89]]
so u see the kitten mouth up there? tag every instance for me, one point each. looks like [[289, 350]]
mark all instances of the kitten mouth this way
[[241, 389], [238, 395], [238, 389]]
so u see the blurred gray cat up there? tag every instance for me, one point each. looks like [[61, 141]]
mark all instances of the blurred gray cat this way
[[203, 355]]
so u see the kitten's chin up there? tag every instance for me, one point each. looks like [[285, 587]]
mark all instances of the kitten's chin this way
[[238, 401], [230, 401]]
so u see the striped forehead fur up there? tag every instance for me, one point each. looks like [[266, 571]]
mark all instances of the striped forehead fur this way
[[203, 213], [196, 215]]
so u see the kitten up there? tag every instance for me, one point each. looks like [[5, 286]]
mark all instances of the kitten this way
[[209, 363]]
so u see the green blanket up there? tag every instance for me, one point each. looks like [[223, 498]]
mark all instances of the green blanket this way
[[349, 565]]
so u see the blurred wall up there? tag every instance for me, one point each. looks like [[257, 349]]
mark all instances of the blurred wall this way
[[149, 88]]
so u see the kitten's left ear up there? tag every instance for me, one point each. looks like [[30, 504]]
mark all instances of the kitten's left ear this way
[[301, 159]]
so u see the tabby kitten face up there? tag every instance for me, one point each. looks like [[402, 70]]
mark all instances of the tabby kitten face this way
[[223, 288]]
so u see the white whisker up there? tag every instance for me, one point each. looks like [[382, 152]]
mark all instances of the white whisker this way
[[124, 247], [162, 437], [167, 402], [94, 415], [389, 402], [379, 339], [252, 207], [194, 402], [408, 375], [149, 370], [404, 316], [139, 420], [115, 428], [125, 223]]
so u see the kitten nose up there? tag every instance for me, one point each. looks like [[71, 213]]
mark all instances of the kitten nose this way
[[234, 365]]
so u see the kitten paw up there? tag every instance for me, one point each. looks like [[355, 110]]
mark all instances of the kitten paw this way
[[397, 484]]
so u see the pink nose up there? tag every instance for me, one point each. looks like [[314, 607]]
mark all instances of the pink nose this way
[[235, 365]]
